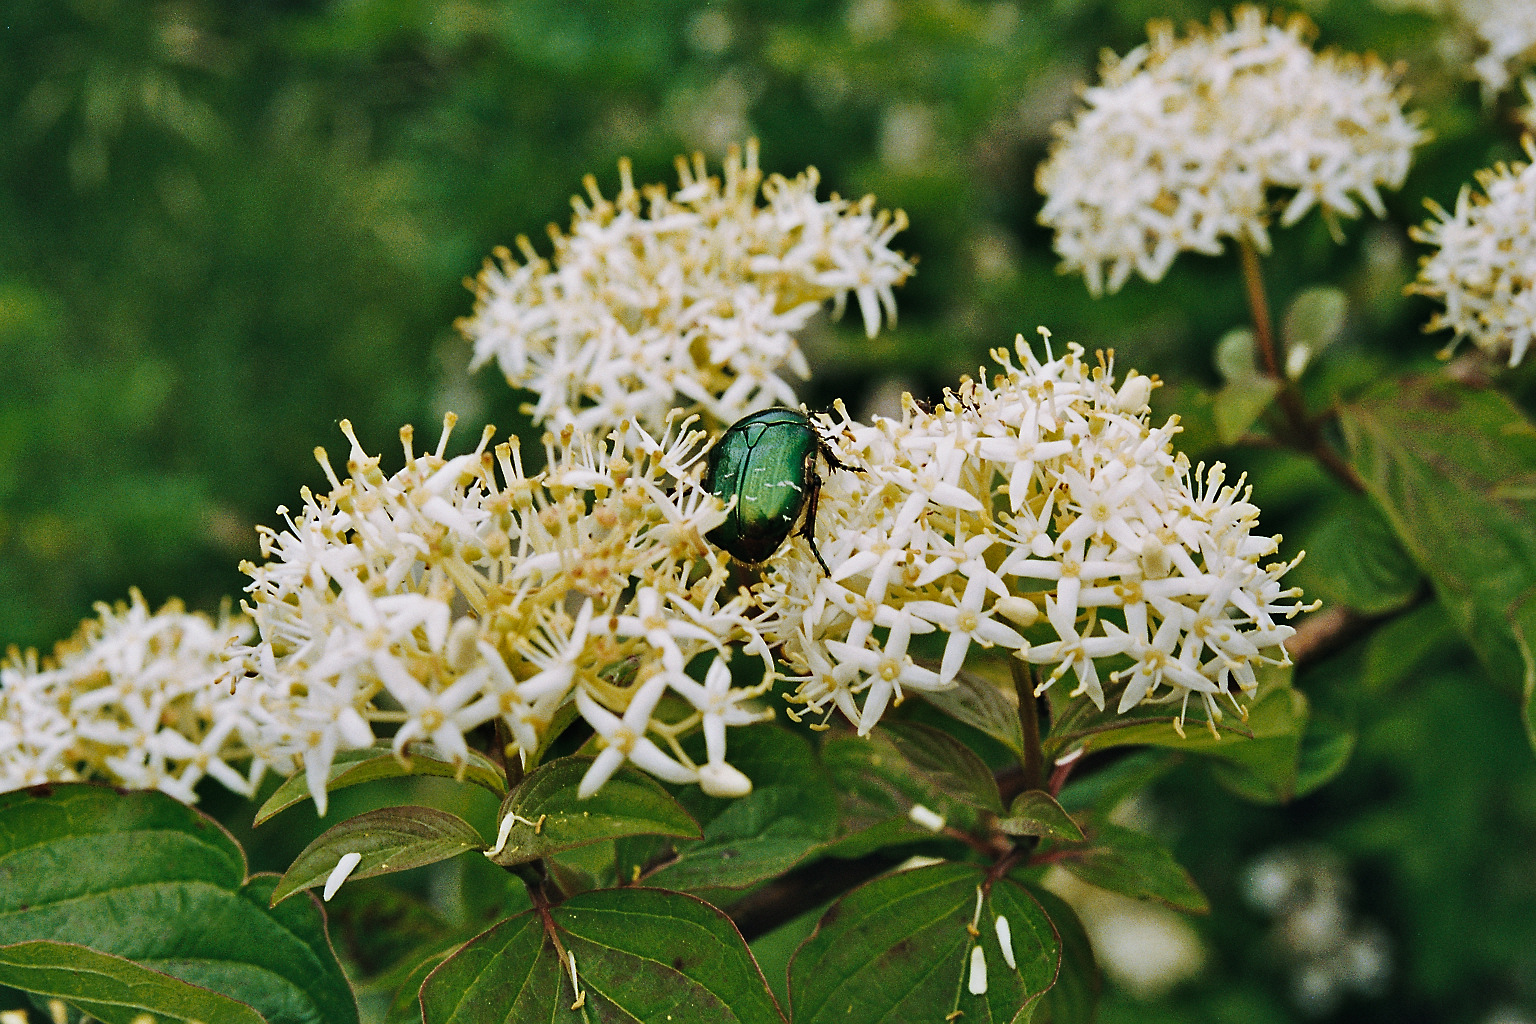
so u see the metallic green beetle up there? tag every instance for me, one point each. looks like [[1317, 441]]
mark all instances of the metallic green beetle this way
[[767, 461]]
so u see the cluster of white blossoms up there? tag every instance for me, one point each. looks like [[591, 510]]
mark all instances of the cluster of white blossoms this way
[[1041, 514], [689, 300], [1178, 146], [1505, 31], [131, 699], [463, 590], [1485, 269]]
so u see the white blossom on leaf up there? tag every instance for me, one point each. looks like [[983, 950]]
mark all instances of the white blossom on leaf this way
[[691, 300], [1180, 145], [1484, 266]]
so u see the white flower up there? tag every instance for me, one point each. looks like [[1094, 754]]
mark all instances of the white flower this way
[[1045, 489], [1178, 146], [463, 590], [1485, 267], [690, 300], [134, 698]]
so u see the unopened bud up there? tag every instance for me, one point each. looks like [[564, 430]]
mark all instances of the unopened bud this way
[[1019, 610], [723, 780]]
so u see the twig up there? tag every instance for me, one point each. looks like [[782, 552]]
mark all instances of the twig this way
[[1304, 434], [1029, 724], [786, 898]]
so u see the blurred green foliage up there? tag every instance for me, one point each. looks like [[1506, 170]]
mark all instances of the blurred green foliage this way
[[231, 225]]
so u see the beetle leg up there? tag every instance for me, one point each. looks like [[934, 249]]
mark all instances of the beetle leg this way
[[808, 526], [824, 449]]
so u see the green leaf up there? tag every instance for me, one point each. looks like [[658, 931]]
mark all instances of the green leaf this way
[[899, 949], [141, 876], [981, 705], [1326, 748], [947, 765], [1074, 999], [1036, 813], [1239, 404], [1236, 356], [565, 714], [405, 1007], [1247, 390], [790, 813], [550, 817], [875, 792], [390, 839], [112, 989], [1266, 746], [353, 767], [1134, 864], [1314, 321], [1454, 469], [641, 955], [1103, 788], [1367, 569], [1401, 644]]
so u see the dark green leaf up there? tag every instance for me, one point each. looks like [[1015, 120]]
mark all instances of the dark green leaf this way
[[1367, 569], [550, 817], [386, 930], [390, 839], [1074, 999], [641, 955], [564, 716], [1134, 864], [1036, 813], [1454, 469], [1404, 642], [981, 705], [1266, 746], [353, 767], [1103, 788], [112, 989], [405, 1007], [948, 766], [1326, 748], [790, 813], [899, 949], [875, 791], [142, 876]]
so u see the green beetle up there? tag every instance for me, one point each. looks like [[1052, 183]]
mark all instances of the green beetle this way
[[767, 461]]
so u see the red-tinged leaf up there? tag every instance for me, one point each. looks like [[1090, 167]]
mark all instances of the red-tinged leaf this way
[[642, 955], [389, 839], [900, 948]]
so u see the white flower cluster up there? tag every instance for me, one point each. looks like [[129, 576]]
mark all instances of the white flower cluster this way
[[447, 596], [1179, 145], [1330, 951], [1042, 514], [1505, 32], [131, 699], [655, 302], [1485, 269]]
